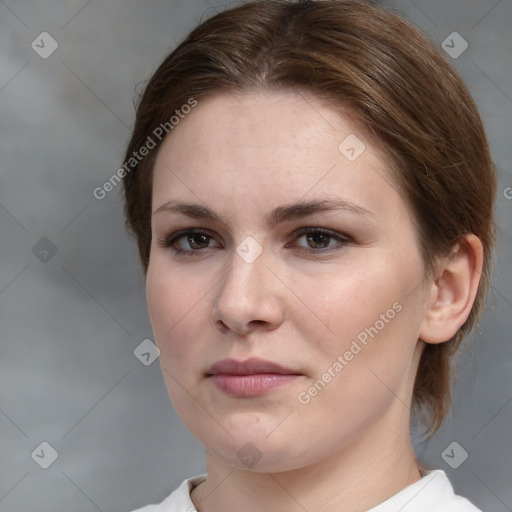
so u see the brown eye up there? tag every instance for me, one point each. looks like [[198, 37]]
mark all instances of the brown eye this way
[[189, 242], [198, 240], [318, 240]]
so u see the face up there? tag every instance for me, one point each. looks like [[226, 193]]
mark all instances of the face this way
[[285, 285]]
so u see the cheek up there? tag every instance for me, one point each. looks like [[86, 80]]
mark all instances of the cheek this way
[[368, 317], [174, 303], [343, 303]]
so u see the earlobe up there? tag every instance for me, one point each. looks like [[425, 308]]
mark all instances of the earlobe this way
[[453, 291]]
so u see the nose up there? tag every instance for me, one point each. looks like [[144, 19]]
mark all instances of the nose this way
[[250, 297]]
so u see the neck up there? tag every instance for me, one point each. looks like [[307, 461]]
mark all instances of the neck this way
[[358, 477]]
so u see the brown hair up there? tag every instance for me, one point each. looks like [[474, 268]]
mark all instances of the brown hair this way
[[407, 95]]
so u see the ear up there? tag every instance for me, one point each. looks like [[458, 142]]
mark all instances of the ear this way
[[453, 291]]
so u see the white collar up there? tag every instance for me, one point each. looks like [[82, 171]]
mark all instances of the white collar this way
[[432, 493]]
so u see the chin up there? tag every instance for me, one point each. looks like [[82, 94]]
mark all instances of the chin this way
[[257, 451]]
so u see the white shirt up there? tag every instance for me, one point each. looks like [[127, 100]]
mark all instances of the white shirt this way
[[433, 493]]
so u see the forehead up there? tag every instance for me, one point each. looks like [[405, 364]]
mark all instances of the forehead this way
[[278, 119], [261, 147]]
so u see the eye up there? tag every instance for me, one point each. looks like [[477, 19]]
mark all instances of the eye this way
[[320, 239], [197, 240], [188, 241]]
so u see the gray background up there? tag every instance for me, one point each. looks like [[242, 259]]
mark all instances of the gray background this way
[[70, 321]]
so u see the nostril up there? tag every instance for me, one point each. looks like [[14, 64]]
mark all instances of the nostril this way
[[257, 323], [221, 326]]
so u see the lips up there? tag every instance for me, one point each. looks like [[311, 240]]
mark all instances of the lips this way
[[250, 366], [250, 378]]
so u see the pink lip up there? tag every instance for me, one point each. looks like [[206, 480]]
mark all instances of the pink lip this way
[[251, 377]]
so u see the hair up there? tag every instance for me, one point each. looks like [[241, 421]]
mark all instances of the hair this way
[[408, 97]]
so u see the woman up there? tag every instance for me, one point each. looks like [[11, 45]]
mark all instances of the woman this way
[[311, 190]]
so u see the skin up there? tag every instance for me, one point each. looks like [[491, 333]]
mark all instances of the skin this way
[[348, 449]]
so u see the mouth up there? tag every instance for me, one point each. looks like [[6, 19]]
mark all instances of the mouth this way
[[251, 377]]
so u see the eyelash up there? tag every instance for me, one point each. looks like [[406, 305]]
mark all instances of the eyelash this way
[[169, 241]]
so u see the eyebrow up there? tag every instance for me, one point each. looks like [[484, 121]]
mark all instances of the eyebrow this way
[[277, 216]]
